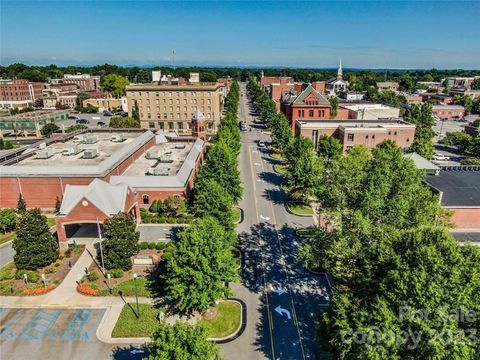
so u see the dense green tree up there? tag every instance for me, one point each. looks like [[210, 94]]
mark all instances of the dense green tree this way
[[211, 199], [8, 220], [114, 84], [282, 134], [329, 147], [123, 122], [75, 127], [79, 101], [181, 341], [421, 116], [459, 139], [199, 265], [466, 101], [333, 106], [34, 245], [221, 166], [21, 204], [304, 176], [120, 241], [208, 76], [49, 129], [407, 83], [136, 112], [476, 84]]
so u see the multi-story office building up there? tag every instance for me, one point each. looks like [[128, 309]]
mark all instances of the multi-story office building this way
[[19, 93], [170, 106]]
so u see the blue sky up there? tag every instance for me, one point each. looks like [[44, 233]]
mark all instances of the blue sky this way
[[367, 34]]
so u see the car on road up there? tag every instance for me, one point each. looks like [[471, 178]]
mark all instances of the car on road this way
[[261, 144], [73, 117], [441, 157], [101, 123], [82, 121], [107, 113]]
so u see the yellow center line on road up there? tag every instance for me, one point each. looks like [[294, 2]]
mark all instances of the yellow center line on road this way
[[269, 314]]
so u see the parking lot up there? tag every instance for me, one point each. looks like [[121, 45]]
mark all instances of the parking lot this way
[[50, 334], [89, 117]]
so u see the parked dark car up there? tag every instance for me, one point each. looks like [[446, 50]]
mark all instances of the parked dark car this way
[[73, 117], [123, 113], [82, 121], [101, 123], [107, 113]]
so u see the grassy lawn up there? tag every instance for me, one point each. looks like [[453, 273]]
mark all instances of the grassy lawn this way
[[237, 215], [226, 322], [129, 326], [299, 209], [50, 222], [127, 288], [281, 169], [6, 237], [277, 156]]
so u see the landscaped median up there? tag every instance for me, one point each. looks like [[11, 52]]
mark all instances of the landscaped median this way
[[299, 209], [221, 321]]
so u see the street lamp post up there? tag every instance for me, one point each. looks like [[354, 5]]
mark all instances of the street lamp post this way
[[44, 280], [136, 293], [109, 284]]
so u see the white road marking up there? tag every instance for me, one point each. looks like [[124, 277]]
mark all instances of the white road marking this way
[[282, 311], [266, 218]]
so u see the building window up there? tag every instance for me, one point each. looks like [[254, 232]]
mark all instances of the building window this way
[[408, 139], [160, 125], [350, 137], [170, 125], [373, 136], [180, 125], [146, 200], [395, 133], [151, 124], [310, 113], [366, 136]]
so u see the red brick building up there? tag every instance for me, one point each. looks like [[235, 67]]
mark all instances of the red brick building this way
[[309, 104], [19, 93], [368, 133], [275, 86], [444, 112]]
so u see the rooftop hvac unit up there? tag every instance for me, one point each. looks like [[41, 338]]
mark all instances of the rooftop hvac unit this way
[[154, 154], [158, 171], [79, 139], [165, 158], [45, 154], [71, 150], [90, 153], [117, 138], [180, 146], [90, 139]]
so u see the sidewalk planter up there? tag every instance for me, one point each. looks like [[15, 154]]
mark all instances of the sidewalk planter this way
[[304, 210], [240, 213], [38, 291], [241, 326], [85, 289]]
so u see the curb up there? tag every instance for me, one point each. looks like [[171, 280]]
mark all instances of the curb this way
[[6, 243], [241, 215], [241, 327], [290, 212], [112, 340]]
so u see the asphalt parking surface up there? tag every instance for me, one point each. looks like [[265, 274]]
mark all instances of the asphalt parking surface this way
[[51, 334]]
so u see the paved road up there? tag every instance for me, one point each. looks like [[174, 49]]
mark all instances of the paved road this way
[[283, 299], [6, 253]]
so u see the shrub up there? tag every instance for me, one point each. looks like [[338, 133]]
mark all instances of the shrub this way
[[49, 270], [171, 220], [162, 220], [56, 264], [32, 276], [151, 245], [86, 290], [143, 245], [160, 246], [92, 276], [39, 290], [116, 273], [68, 253]]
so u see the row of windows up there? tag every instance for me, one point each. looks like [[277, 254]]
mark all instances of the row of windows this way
[[171, 93], [177, 101], [177, 115], [311, 113], [185, 109], [170, 125], [350, 137]]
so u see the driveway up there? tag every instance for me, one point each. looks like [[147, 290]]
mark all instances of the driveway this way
[[6, 253], [158, 232]]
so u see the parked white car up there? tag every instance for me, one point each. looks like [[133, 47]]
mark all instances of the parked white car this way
[[440, 157]]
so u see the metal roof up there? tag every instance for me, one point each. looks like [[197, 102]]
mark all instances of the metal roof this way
[[458, 188]]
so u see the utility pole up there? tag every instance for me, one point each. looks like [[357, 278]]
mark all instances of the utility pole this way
[[173, 59]]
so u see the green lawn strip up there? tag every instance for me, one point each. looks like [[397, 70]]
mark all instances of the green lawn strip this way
[[127, 288], [129, 326], [237, 215], [280, 169], [226, 321], [6, 237], [277, 156], [299, 209], [7, 276], [7, 272]]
